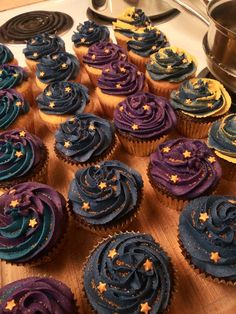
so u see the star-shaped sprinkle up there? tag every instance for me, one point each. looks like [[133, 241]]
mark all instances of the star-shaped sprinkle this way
[[139, 38], [85, 206], [166, 149], [64, 66], [169, 67], [135, 127], [91, 127], [118, 86], [121, 108], [82, 40], [48, 93], [67, 89], [33, 222], [145, 308], [154, 47], [146, 107], [15, 74], [187, 154], [148, 265], [41, 74], [188, 101], [102, 185], [54, 57], [107, 50], [209, 105], [1, 71], [10, 305], [211, 159], [112, 253], [18, 154], [18, 103], [122, 69], [185, 60], [203, 217], [93, 57], [72, 119], [102, 287], [52, 104], [123, 55], [139, 73], [35, 54], [33, 41], [107, 70], [67, 144], [215, 257], [174, 178], [90, 29], [22, 133], [14, 203]]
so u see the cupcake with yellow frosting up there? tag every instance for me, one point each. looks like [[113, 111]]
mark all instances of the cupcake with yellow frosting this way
[[198, 103], [168, 68]]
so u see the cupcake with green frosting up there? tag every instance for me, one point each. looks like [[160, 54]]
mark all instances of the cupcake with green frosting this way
[[6, 56]]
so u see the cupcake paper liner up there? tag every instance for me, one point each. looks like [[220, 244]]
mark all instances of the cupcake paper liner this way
[[93, 74], [121, 40], [228, 169], [139, 61]]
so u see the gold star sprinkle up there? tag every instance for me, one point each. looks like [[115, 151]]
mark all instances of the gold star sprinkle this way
[[14, 203], [187, 154], [146, 107], [33, 41], [18, 103], [188, 101], [1, 71], [91, 127], [203, 217], [215, 257], [112, 253], [48, 93], [107, 70], [139, 73], [123, 55], [118, 86], [52, 104], [82, 40], [139, 38], [41, 74], [18, 154], [67, 144], [22, 133], [123, 70], [209, 105], [54, 57], [85, 206], [121, 108], [154, 47], [166, 149], [33, 222], [169, 67], [10, 305], [15, 74], [185, 60], [107, 50], [102, 185], [148, 265], [93, 57], [174, 178], [35, 54], [145, 308], [67, 89], [72, 119], [211, 159], [102, 287], [135, 127], [90, 29], [64, 66]]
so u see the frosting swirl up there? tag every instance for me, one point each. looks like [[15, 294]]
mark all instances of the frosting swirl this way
[[102, 53], [11, 76], [185, 168], [90, 33], [63, 98], [42, 45], [118, 198], [37, 295], [152, 115], [6, 55], [171, 64], [126, 273], [207, 232], [62, 66], [20, 152], [12, 105], [121, 78], [84, 136]]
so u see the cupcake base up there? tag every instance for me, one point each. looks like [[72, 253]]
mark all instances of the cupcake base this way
[[93, 74], [32, 65], [228, 169], [139, 61], [121, 40], [80, 52]]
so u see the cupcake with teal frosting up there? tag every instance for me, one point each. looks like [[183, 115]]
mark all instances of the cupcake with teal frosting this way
[[6, 56], [168, 68], [222, 139], [198, 103], [33, 222]]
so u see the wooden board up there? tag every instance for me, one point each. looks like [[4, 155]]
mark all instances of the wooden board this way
[[194, 294], [7, 4]]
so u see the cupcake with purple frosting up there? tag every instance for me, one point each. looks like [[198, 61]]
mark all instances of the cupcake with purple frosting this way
[[143, 121], [181, 170]]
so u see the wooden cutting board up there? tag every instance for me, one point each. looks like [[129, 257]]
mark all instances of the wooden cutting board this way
[[11, 4]]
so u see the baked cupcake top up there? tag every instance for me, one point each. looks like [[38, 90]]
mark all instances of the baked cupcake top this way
[[105, 193], [20, 152], [201, 98], [32, 220], [6, 55], [121, 78], [144, 116], [90, 33], [207, 233], [147, 41], [128, 273], [12, 106], [42, 45], [171, 64], [84, 136], [184, 168], [37, 295], [102, 53], [12, 76], [222, 138], [63, 98], [62, 66]]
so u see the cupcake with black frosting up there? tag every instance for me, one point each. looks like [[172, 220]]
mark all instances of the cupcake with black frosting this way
[[6, 56], [129, 273], [85, 139], [207, 236], [143, 121], [60, 101], [33, 222], [106, 197], [37, 295]]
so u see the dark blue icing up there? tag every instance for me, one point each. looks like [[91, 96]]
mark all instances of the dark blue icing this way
[[11, 76], [6, 55], [216, 234], [68, 98], [110, 204], [128, 284]]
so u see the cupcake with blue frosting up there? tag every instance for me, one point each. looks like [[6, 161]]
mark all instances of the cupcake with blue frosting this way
[[6, 56]]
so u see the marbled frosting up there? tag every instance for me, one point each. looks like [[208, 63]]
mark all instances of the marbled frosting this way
[[128, 273], [12, 106], [102, 53], [152, 115], [201, 98], [42, 45], [90, 33], [102, 206], [121, 78], [207, 232], [63, 98], [6, 55], [184, 168], [171, 64], [37, 295], [11, 76]]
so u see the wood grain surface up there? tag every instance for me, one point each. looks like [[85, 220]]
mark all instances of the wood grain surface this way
[[194, 294]]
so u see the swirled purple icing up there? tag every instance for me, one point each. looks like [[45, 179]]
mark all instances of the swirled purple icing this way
[[185, 168], [102, 53], [121, 78], [152, 114]]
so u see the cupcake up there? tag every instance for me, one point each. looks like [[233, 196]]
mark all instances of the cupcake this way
[[118, 80], [181, 170], [168, 68], [99, 56], [86, 35], [143, 121], [41, 45], [15, 111], [222, 139], [37, 295], [85, 139], [129, 273], [23, 157], [6, 56], [206, 236], [198, 103], [106, 197], [60, 101], [36, 215], [129, 22], [144, 43]]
